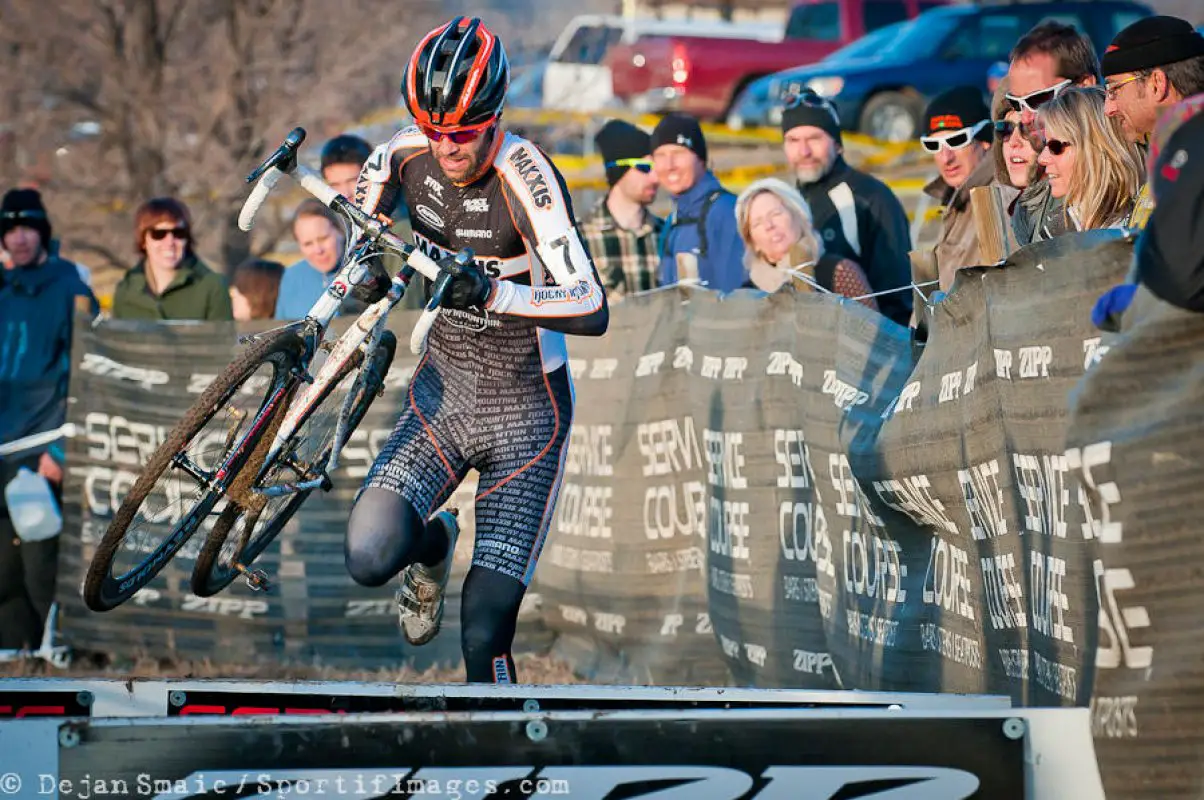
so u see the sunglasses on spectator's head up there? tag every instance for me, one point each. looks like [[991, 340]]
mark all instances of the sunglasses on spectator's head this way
[[644, 165], [1034, 100], [159, 234], [1005, 127], [457, 135], [1056, 146], [955, 141]]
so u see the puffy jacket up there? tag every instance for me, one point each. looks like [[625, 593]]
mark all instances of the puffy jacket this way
[[721, 261]]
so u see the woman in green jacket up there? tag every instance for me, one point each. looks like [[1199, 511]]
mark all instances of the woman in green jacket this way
[[169, 282]]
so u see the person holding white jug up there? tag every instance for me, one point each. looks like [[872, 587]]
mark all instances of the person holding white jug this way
[[39, 296]]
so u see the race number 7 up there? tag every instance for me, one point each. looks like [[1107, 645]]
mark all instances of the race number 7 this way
[[563, 244]]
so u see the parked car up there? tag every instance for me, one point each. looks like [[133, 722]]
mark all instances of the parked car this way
[[577, 78], [885, 96], [760, 103], [703, 75]]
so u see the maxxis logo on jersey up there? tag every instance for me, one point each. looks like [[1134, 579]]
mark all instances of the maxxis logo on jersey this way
[[532, 176], [428, 215]]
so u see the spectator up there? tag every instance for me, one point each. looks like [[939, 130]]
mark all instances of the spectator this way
[[1047, 60], [779, 238], [255, 288], [857, 215], [169, 282], [1094, 171], [621, 233], [1014, 149], [1170, 252], [1154, 63], [39, 295], [1167, 258], [958, 135], [319, 233], [700, 241], [342, 158]]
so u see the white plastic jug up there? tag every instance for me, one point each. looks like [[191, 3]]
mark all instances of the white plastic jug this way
[[31, 506]]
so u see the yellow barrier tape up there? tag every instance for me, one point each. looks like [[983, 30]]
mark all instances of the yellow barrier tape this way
[[718, 132]]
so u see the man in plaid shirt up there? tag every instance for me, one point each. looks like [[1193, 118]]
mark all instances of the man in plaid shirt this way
[[620, 231]]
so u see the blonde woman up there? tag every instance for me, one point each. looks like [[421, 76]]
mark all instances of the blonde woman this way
[[1088, 162], [779, 238]]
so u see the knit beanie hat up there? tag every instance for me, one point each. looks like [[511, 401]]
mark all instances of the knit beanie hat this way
[[1152, 42], [812, 109], [23, 207], [681, 129], [619, 140], [958, 108]]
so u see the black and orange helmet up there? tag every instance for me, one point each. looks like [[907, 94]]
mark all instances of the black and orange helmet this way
[[457, 77]]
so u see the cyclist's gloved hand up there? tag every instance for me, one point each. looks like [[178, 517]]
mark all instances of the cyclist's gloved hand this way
[[470, 285]]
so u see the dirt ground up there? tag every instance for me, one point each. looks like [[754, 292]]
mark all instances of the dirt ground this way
[[537, 669]]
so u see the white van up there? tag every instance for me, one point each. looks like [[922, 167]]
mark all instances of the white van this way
[[576, 78]]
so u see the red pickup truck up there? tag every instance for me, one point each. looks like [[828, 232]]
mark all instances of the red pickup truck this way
[[703, 75]]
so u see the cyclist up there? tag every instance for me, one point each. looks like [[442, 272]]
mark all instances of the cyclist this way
[[492, 391]]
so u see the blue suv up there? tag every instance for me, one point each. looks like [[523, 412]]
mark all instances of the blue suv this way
[[884, 95]]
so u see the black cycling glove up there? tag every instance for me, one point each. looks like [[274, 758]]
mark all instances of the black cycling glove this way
[[470, 286]]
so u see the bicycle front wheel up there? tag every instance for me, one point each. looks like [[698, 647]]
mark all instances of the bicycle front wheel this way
[[242, 533], [183, 480]]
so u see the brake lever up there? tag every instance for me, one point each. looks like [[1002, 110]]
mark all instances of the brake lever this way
[[285, 156]]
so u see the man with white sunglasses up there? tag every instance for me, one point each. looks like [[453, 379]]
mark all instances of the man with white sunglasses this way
[[1047, 61], [958, 134]]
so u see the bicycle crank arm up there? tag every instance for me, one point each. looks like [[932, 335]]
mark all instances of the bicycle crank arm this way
[[281, 489]]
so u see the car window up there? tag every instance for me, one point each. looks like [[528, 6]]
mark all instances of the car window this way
[[988, 36], [815, 21], [887, 12], [589, 44]]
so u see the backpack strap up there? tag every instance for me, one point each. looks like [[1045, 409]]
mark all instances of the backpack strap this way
[[700, 221]]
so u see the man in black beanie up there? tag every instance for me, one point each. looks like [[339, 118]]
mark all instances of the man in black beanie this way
[[1151, 65], [38, 301], [957, 132], [700, 242], [857, 215], [620, 232]]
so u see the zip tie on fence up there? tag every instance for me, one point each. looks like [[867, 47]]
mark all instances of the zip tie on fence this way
[[67, 430]]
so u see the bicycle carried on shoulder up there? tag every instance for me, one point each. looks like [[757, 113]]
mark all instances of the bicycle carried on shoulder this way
[[267, 456]]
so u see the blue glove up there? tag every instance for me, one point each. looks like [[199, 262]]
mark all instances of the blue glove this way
[[1112, 304]]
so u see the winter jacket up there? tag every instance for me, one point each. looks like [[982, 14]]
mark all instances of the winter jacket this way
[[861, 219], [194, 293], [720, 260]]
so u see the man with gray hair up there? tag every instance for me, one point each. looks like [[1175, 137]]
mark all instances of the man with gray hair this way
[[857, 215]]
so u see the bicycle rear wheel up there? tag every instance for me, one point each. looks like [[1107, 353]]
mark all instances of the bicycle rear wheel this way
[[241, 534], [160, 513]]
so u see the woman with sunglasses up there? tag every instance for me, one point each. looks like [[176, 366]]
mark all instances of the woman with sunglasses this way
[[169, 282], [1014, 150], [1088, 162]]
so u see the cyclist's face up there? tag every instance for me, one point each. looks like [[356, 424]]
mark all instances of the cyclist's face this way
[[810, 151], [459, 162], [320, 242]]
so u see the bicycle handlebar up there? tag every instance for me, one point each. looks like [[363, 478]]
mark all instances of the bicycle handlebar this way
[[284, 162]]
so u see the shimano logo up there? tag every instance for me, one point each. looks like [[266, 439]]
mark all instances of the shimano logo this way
[[474, 233], [428, 215]]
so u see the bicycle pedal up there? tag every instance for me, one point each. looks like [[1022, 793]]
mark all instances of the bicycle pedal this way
[[327, 483], [257, 579]]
